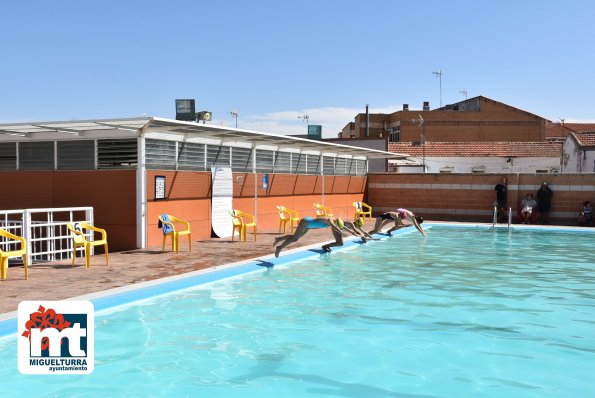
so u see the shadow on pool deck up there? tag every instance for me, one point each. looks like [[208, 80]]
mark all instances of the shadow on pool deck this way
[[59, 280]]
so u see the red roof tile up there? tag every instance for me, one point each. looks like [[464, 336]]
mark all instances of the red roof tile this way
[[478, 149], [581, 127], [556, 130], [585, 139], [563, 129]]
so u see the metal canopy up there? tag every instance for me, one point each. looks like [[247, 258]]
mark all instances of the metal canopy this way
[[178, 130]]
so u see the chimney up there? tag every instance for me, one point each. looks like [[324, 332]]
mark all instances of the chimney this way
[[405, 107], [426, 105]]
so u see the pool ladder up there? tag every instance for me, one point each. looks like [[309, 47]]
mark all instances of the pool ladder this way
[[495, 218]]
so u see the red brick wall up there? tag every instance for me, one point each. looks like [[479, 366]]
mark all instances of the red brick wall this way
[[470, 197], [495, 122]]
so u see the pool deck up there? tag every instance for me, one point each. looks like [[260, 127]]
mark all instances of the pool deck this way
[[59, 280]]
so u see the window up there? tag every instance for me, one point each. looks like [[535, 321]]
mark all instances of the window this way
[[76, 155], [298, 163], [112, 154], [358, 167], [36, 155], [394, 134], [241, 159], [217, 155], [191, 156], [8, 156], [264, 160], [283, 162], [160, 154], [313, 164], [328, 165], [342, 166]]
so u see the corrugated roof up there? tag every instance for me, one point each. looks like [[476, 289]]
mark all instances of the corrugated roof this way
[[478, 149]]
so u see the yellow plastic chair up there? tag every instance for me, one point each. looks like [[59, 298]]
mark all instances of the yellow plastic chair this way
[[287, 216], [5, 255], [80, 240], [323, 211], [362, 210], [242, 221], [170, 230]]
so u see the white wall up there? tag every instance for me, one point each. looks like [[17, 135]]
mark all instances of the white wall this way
[[490, 164], [575, 160]]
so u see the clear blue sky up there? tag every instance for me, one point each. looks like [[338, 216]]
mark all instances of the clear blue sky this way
[[273, 60]]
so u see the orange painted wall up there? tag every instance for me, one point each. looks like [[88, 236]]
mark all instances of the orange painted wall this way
[[111, 193], [189, 198]]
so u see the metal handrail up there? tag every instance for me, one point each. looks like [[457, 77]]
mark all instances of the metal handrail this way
[[509, 216], [495, 218]]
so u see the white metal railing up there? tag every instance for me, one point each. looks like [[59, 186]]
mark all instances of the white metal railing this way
[[48, 238], [495, 218], [509, 216]]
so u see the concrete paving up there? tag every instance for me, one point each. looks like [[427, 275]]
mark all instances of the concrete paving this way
[[59, 280]]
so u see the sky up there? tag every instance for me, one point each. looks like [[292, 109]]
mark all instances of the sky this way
[[273, 61]]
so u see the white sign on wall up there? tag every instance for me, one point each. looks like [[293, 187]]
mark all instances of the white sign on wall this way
[[222, 200]]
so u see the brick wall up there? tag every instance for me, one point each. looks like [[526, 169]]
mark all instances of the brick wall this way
[[470, 197], [494, 122]]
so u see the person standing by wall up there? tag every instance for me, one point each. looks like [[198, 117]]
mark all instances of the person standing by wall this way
[[501, 190], [544, 203]]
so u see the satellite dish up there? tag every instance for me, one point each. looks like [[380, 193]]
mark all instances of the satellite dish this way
[[207, 116]]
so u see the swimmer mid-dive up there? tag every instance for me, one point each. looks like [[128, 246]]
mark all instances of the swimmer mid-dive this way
[[307, 223], [355, 228], [398, 216]]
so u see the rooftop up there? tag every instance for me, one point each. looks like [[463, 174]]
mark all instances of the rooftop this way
[[585, 139], [478, 149], [155, 127]]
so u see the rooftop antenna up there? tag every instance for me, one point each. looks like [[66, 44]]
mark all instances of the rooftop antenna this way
[[438, 74], [306, 118], [464, 92], [234, 114]]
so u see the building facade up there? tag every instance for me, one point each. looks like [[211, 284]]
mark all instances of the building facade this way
[[478, 119]]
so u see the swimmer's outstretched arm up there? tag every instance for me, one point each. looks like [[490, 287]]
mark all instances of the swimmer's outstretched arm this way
[[419, 228]]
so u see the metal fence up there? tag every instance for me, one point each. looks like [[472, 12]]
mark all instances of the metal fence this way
[[48, 238]]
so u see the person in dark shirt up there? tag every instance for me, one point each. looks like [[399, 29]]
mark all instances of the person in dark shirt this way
[[544, 202], [501, 189]]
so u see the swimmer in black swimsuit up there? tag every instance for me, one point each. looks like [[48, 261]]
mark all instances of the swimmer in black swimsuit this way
[[398, 217]]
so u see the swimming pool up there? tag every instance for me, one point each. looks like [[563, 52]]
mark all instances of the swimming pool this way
[[465, 312]]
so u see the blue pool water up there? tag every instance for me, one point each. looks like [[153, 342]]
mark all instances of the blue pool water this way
[[464, 312]]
